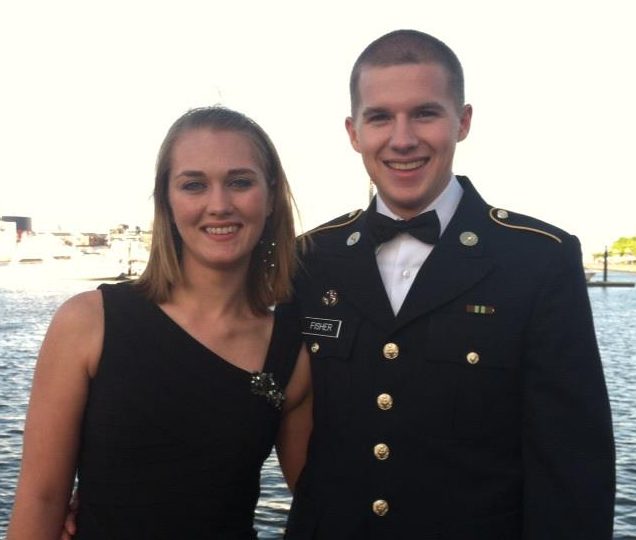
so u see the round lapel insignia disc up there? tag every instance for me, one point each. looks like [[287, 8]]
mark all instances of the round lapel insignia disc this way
[[353, 238], [468, 238], [502, 214]]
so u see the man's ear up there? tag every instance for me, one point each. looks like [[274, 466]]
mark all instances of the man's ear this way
[[464, 122], [353, 133]]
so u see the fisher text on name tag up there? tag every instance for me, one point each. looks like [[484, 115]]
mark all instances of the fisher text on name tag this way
[[313, 326]]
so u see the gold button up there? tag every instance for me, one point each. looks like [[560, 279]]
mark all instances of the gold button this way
[[315, 347], [381, 451], [385, 401], [391, 351], [472, 357], [380, 507]]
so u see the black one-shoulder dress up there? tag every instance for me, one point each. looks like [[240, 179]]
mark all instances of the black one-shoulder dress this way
[[173, 435]]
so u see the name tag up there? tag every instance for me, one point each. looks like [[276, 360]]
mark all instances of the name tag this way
[[321, 327]]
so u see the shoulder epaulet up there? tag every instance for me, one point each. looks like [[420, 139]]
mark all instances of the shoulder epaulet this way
[[502, 217], [337, 223]]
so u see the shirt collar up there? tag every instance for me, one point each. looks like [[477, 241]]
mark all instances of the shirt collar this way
[[445, 204]]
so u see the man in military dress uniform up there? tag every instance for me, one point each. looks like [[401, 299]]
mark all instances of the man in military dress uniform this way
[[458, 389]]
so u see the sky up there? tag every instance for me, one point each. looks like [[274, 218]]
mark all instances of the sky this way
[[88, 90]]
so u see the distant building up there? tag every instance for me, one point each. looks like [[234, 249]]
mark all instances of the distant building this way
[[22, 225], [8, 240]]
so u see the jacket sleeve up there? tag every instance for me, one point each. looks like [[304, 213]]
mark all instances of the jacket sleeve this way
[[568, 448]]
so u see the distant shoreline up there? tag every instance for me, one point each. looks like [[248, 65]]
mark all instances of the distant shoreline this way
[[598, 267]]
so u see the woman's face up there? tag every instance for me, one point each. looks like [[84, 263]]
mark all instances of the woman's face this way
[[219, 198]]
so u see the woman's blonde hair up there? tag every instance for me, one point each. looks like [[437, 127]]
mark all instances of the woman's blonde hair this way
[[273, 260]]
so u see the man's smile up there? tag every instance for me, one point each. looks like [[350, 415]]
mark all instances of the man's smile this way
[[406, 165]]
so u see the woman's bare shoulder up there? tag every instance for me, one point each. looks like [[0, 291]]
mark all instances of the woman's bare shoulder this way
[[83, 309], [78, 326]]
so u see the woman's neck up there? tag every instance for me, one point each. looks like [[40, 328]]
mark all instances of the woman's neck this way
[[216, 292]]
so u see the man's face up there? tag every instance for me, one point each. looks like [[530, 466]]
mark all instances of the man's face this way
[[406, 129]]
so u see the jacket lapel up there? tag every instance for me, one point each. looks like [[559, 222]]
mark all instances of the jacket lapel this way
[[454, 266], [354, 271]]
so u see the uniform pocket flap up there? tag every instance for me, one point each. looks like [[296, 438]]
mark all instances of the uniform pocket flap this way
[[329, 337]]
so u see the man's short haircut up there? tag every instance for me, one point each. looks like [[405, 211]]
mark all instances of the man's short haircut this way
[[408, 47]]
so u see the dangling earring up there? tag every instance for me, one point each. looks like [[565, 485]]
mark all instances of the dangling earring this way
[[268, 255], [267, 248]]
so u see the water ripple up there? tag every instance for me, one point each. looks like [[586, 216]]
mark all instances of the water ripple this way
[[25, 313]]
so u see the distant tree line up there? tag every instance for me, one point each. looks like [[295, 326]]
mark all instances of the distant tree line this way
[[623, 247]]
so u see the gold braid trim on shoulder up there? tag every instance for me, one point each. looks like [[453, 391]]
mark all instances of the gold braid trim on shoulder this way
[[354, 215], [493, 216]]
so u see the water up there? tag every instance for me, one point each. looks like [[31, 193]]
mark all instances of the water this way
[[26, 312], [615, 319]]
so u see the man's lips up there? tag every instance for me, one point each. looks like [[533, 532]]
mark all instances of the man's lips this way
[[406, 165]]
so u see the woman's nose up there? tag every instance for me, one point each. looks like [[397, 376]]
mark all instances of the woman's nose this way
[[219, 201]]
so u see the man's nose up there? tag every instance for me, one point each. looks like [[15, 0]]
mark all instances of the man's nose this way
[[403, 137]]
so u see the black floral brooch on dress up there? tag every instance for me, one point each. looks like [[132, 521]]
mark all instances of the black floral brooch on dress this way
[[263, 384]]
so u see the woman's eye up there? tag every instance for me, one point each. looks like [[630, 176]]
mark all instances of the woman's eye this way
[[193, 185], [241, 183]]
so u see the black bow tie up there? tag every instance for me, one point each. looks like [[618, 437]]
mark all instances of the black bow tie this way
[[424, 227]]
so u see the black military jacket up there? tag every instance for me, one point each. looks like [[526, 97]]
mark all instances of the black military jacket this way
[[478, 412]]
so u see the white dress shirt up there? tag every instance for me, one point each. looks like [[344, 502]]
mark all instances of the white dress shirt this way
[[400, 259]]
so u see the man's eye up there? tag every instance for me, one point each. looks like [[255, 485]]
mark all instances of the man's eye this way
[[378, 117], [426, 113]]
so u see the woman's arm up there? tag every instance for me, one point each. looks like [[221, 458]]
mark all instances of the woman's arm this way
[[296, 423], [67, 360]]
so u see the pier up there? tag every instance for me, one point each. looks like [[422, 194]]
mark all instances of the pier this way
[[604, 282], [610, 283]]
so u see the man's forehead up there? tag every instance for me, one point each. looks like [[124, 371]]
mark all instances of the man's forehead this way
[[370, 74], [411, 82]]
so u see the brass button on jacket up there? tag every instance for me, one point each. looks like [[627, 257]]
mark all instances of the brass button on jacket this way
[[385, 401], [380, 507], [391, 351], [472, 357], [315, 347], [381, 451]]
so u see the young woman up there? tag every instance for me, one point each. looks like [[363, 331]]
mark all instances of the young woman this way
[[165, 396]]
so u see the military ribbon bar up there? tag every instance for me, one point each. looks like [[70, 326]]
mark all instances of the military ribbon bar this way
[[480, 310]]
